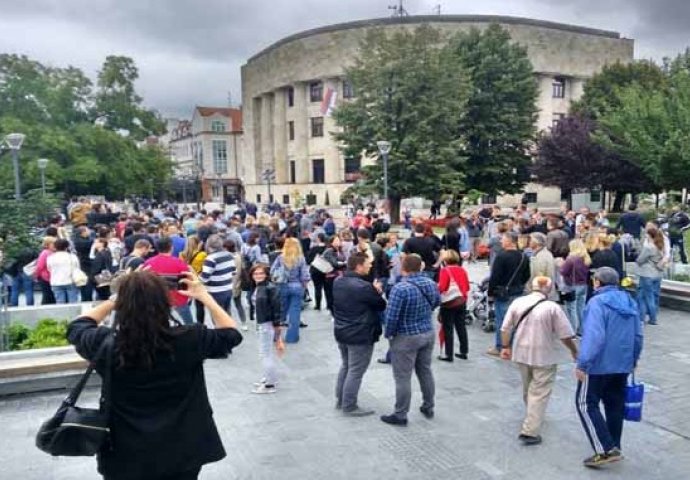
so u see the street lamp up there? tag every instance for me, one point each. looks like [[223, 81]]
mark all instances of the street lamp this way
[[42, 164], [384, 150], [14, 141]]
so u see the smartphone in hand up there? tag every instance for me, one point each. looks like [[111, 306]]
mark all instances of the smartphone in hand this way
[[173, 282]]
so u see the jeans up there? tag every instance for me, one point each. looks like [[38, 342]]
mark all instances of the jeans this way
[[237, 301], [575, 308], [267, 352], [22, 282], [648, 298], [185, 314], [355, 361], [291, 295], [412, 353], [66, 293], [87, 291], [603, 434], [501, 307], [454, 317]]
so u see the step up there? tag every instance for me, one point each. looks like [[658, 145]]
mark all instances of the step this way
[[35, 365], [44, 382]]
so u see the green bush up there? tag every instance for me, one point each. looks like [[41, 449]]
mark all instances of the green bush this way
[[17, 333], [48, 333]]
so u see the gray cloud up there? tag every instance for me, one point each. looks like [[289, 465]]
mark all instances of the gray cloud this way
[[190, 52]]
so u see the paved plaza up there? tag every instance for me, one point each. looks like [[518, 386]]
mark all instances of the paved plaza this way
[[297, 433]]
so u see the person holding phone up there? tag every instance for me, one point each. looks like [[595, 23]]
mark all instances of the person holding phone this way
[[166, 265]]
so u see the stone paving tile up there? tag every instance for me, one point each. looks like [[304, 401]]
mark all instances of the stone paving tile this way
[[297, 434]]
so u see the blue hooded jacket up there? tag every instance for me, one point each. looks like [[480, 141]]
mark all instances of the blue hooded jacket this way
[[611, 333]]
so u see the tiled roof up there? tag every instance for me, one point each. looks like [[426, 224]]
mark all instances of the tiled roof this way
[[235, 114]]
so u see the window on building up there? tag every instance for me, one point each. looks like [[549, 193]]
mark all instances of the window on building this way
[[291, 130], [558, 87], [293, 172], [489, 199], [258, 198], [290, 96], [595, 196], [220, 156], [348, 90], [217, 126], [556, 119], [317, 126], [318, 171], [353, 166], [286, 199], [565, 194], [315, 91], [529, 198], [215, 191]]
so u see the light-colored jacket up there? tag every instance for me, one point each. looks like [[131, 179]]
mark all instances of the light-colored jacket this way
[[61, 265], [543, 265], [649, 262]]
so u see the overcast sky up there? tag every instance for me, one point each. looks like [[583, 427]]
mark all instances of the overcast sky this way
[[190, 52]]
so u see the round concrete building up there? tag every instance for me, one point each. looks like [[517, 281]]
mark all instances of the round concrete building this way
[[284, 85]]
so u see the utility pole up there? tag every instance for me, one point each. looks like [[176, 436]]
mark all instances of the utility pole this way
[[269, 175], [437, 9], [398, 10]]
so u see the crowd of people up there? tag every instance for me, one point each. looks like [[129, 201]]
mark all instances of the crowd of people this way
[[566, 272]]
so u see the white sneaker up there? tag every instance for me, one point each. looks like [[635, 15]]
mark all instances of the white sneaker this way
[[260, 382], [262, 389], [244, 327]]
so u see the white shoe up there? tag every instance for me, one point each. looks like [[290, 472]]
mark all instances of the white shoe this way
[[260, 382], [263, 389], [244, 327]]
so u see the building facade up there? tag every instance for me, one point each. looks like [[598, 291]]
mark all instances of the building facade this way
[[285, 87], [207, 151]]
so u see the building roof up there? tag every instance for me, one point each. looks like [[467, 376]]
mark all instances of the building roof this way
[[234, 114], [413, 19]]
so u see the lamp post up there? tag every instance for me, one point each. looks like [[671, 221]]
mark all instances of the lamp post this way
[[14, 141], [42, 164], [384, 150]]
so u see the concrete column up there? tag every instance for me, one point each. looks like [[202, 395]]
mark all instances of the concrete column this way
[[334, 170], [280, 135], [267, 154], [256, 146], [302, 163]]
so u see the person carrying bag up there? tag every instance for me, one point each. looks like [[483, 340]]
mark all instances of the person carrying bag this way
[[453, 285]]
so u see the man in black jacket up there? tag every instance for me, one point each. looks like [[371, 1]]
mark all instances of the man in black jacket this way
[[357, 304]]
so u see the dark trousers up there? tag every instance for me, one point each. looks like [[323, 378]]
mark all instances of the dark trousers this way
[[47, 296], [188, 475], [454, 318], [103, 293], [86, 291], [328, 290], [319, 280], [681, 247], [200, 312], [603, 433]]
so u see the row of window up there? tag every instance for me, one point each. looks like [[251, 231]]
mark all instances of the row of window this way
[[316, 92], [318, 170], [316, 128]]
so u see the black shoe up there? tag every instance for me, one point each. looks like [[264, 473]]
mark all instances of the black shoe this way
[[461, 355], [383, 360], [427, 412], [445, 359], [303, 325], [394, 420], [529, 440]]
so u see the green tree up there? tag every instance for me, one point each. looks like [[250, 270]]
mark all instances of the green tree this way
[[118, 103], [501, 113], [412, 92]]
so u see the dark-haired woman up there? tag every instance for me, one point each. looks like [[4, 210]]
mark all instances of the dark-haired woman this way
[[266, 299], [103, 261], [161, 424]]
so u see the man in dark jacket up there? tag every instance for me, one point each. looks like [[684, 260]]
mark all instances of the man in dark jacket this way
[[357, 304]]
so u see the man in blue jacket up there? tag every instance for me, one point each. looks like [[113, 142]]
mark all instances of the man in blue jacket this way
[[609, 351], [357, 308]]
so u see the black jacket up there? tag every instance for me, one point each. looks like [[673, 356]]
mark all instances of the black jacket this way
[[82, 247], [102, 261], [161, 422], [268, 305], [509, 264], [356, 307]]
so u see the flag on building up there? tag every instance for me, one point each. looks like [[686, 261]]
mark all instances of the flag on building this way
[[328, 102]]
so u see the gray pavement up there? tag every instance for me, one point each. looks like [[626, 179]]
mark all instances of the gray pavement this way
[[297, 433]]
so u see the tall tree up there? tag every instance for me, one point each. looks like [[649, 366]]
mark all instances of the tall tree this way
[[569, 158], [413, 93], [501, 113], [119, 104]]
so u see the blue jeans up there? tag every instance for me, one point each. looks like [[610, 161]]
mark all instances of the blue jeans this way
[[575, 308], [66, 293], [185, 314], [22, 282], [648, 298], [291, 295], [501, 307]]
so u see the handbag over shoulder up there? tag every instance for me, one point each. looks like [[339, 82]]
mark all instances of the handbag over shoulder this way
[[80, 432]]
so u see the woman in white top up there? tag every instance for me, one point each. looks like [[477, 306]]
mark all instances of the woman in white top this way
[[61, 266]]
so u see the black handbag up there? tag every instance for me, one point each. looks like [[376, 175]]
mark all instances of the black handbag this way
[[502, 292], [75, 431]]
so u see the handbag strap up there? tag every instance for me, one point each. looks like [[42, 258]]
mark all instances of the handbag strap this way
[[422, 292], [104, 349], [512, 277]]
